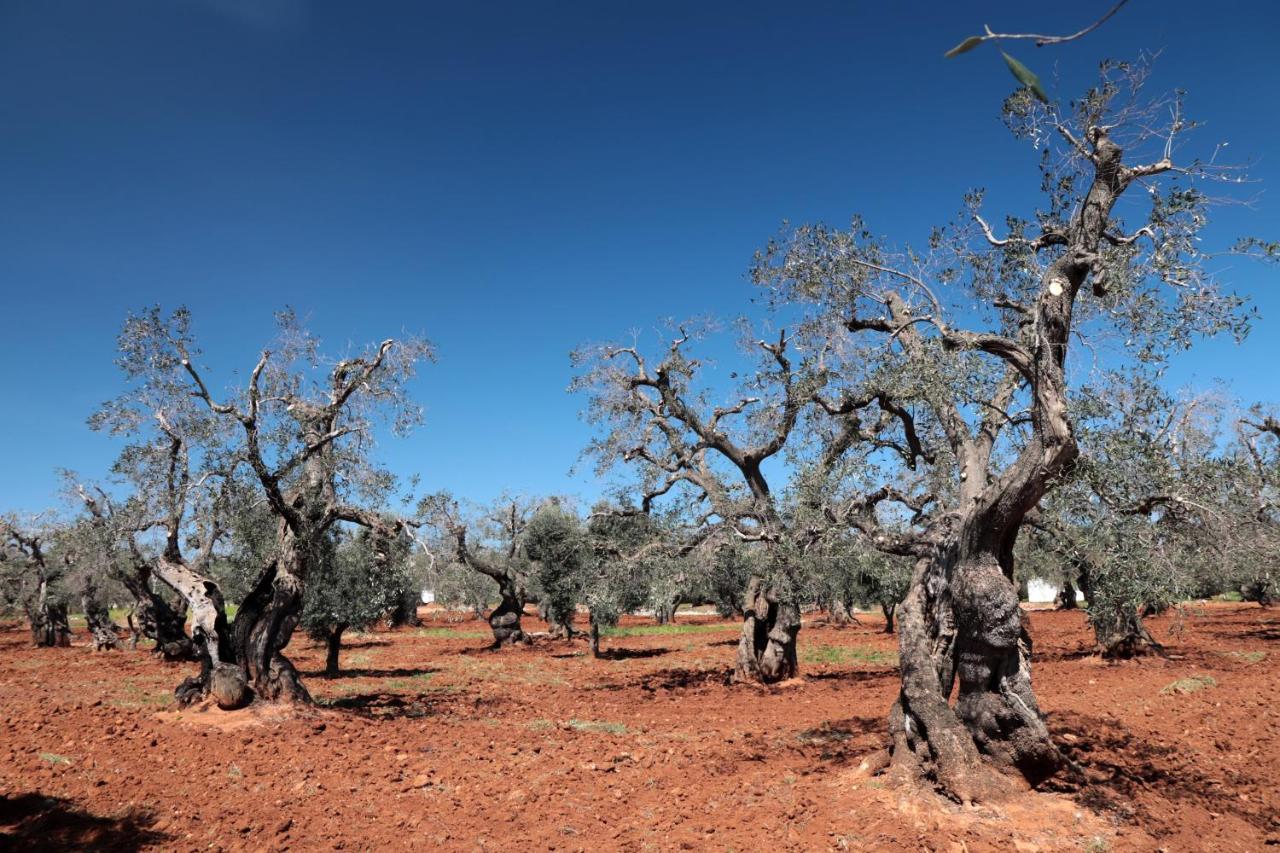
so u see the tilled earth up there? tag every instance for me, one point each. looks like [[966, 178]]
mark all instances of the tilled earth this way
[[429, 740]]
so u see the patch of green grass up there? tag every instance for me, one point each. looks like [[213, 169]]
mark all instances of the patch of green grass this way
[[848, 655], [1193, 684], [541, 725], [412, 681], [450, 634], [1248, 657], [1097, 844], [234, 771], [53, 758], [598, 726], [667, 630], [1230, 595], [137, 695]]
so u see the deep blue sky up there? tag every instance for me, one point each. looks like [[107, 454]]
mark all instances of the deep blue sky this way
[[512, 179]]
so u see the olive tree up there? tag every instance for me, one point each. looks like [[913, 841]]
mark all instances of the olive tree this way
[[498, 556], [953, 358], [355, 581], [655, 418], [1256, 542], [301, 430], [34, 579]]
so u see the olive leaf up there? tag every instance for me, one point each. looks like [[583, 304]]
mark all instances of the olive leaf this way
[[964, 47], [1025, 76]]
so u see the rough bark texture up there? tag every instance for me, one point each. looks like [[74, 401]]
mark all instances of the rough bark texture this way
[[504, 621], [333, 647], [49, 625], [1261, 590], [767, 647], [102, 631], [889, 610], [841, 613], [961, 622], [1124, 636], [265, 624]]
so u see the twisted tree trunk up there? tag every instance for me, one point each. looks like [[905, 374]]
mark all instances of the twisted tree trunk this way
[[105, 635], [1125, 636], [961, 620], [49, 624], [767, 646], [504, 621], [265, 624], [153, 617]]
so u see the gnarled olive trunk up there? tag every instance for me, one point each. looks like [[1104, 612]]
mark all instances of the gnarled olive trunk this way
[[49, 625], [664, 612], [767, 647], [102, 631], [504, 621], [210, 635], [961, 621], [264, 625], [961, 626], [1121, 634], [154, 618]]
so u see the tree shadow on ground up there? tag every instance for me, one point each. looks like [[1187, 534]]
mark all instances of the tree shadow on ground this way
[[678, 678], [628, 654], [36, 822], [842, 742], [857, 676], [1078, 653], [1122, 764], [357, 672], [387, 705]]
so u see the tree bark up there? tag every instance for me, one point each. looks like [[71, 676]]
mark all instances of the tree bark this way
[[665, 612], [105, 635], [1124, 635], [153, 616], [49, 625], [961, 620], [406, 612], [333, 644], [767, 647], [888, 610], [504, 621], [595, 637], [1066, 597], [264, 625]]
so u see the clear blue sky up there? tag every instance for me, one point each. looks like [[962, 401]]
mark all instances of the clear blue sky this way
[[512, 179]]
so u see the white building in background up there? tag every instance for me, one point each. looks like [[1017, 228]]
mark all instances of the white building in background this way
[[1041, 592], [428, 596]]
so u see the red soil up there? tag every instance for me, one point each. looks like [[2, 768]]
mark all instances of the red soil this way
[[428, 740]]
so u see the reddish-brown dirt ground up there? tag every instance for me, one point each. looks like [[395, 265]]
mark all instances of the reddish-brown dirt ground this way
[[427, 740]]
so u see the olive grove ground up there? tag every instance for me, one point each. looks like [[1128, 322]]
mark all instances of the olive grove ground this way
[[427, 739]]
